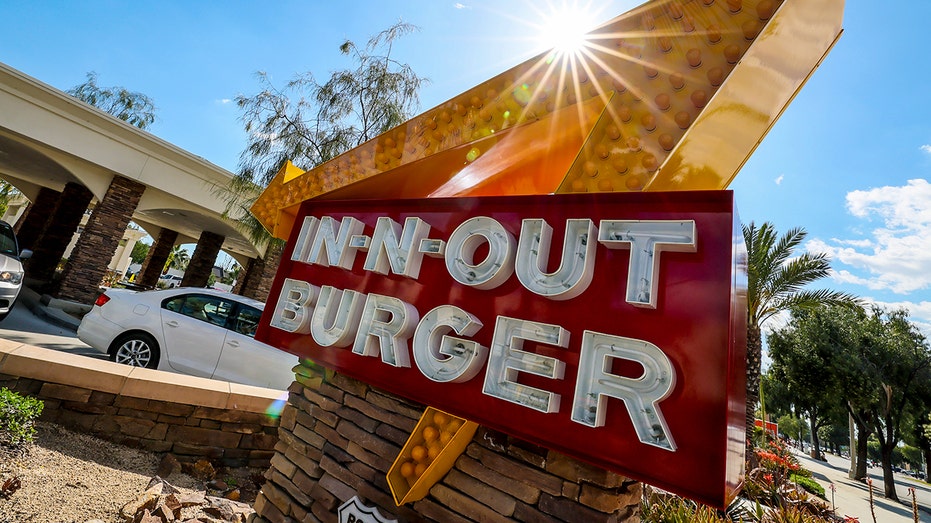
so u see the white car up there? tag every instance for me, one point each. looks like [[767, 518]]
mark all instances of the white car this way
[[200, 332], [11, 268]]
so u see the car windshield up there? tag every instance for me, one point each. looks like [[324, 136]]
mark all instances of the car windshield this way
[[7, 240]]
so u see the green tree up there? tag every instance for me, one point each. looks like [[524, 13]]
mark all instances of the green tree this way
[[310, 123], [805, 353], [776, 282], [7, 193], [178, 258], [139, 252], [898, 364], [132, 107]]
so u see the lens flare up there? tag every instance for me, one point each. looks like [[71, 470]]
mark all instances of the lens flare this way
[[564, 29], [274, 410]]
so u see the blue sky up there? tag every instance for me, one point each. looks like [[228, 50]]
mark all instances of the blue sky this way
[[849, 160]]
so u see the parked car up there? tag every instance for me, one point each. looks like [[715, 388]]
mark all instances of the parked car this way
[[169, 281], [11, 268], [200, 332]]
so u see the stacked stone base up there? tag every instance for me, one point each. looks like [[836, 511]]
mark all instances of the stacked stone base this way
[[338, 437]]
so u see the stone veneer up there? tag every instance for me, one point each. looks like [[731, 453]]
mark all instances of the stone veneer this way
[[339, 437], [257, 277], [193, 418], [156, 258], [200, 266], [32, 224], [99, 241], [60, 227]]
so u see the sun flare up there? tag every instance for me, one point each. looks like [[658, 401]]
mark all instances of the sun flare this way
[[565, 27]]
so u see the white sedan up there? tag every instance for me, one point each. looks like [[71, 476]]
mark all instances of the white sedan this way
[[200, 332]]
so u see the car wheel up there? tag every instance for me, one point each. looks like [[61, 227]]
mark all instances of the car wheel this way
[[137, 350]]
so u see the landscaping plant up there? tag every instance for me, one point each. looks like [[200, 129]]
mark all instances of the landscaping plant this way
[[17, 416]]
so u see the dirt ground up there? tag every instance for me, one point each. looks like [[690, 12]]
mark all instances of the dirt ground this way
[[71, 477]]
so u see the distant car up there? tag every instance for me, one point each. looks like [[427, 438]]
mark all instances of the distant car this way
[[169, 281], [200, 332], [11, 268]]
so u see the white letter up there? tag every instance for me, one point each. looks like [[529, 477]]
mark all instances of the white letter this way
[[386, 335], [444, 358], [640, 395], [506, 359], [646, 239], [290, 313], [336, 317], [575, 269], [305, 238], [330, 248], [402, 256], [495, 269]]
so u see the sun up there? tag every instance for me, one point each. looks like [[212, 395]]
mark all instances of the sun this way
[[564, 27]]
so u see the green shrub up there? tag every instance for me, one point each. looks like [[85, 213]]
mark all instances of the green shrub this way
[[17, 415], [808, 484]]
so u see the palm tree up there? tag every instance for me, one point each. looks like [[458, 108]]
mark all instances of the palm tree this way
[[775, 283], [178, 258]]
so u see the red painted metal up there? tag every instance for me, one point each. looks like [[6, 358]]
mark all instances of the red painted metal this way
[[699, 323]]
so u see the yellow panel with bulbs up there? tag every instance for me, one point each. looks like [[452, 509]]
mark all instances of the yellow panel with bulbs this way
[[672, 95], [432, 449]]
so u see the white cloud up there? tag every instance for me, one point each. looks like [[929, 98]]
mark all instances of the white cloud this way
[[926, 148], [779, 179], [458, 5], [225, 101], [896, 254]]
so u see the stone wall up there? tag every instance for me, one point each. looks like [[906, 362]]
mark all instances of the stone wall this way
[[193, 418], [339, 437]]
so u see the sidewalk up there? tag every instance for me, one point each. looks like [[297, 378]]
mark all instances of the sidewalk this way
[[852, 497], [49, 309]]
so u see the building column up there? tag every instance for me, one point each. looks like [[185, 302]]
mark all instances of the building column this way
[[256, 282], [64, 221], [31, 226], [157, 257], [90, 258], [202, 261]]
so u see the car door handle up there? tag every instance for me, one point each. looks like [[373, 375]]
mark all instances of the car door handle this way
[[233, 343], [172, 323]]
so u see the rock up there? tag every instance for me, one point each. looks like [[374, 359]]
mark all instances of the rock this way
[[218, 484], [144, 503], [168, 466], [190, 500], [163, 503], [204, 470], [160, 486]]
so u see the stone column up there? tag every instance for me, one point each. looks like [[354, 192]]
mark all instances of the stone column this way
[[260, 274], [31, 226], [62, 224], [88, 262], [203, 260], [158, 255]]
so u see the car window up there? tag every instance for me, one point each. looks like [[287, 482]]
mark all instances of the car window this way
[[7, 240], [246, 320], [211, 309]]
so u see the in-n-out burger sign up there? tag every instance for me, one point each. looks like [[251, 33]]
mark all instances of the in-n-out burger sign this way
[[603, 326]]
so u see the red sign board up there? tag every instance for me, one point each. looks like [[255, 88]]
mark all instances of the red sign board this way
[[609, 327], [770, 426]]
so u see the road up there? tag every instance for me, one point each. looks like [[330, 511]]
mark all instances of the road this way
[[852, 498], [25, 327]]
